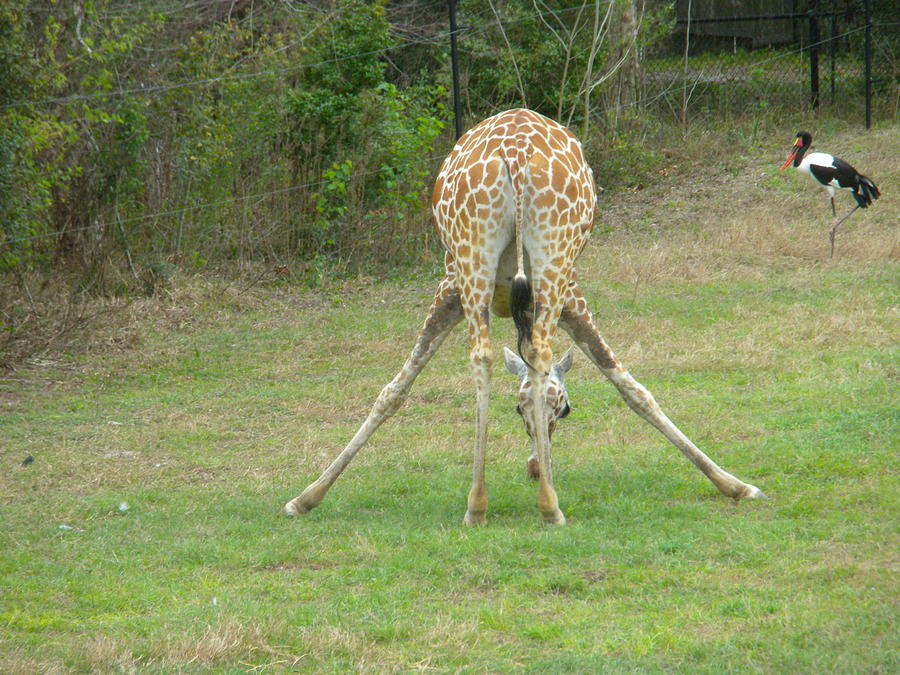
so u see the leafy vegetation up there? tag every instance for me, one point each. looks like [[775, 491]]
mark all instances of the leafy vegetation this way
[[303, 136], [159, 135]]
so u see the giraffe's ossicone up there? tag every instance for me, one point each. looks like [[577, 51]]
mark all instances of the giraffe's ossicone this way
[[514, 205]]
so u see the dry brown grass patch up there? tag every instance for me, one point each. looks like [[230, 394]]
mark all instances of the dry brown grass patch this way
[[17, 662], [715, 222], [743, 246], [104, 653], [840, 554], [227, 640]]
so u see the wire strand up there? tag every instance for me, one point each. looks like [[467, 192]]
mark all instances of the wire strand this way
[[218, 202]]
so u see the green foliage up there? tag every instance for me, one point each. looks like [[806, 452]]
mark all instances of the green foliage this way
[[324, 108], [15, 68], [370, 135], [384, 178], [32, 169], [65, 162], [523, 63], [402, 129], [331, 201], [24, 193], [133, 134], [627, 158]]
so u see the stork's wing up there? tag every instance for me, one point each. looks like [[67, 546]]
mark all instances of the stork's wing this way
[[823, 174], [840, 171]]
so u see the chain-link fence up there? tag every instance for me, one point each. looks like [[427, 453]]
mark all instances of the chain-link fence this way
[[842, 56]]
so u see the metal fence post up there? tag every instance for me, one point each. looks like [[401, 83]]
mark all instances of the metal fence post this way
[[832, 48], [814, 39], [868, 75]]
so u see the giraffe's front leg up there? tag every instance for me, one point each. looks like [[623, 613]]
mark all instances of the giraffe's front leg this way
[[541, 357], [576, 320], [533, 466], [548, 502], [446, 311]]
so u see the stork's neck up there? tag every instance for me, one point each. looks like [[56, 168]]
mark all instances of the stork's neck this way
[[799, 156]]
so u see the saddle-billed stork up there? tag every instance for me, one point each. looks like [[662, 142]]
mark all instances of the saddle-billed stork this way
[[832, 173]]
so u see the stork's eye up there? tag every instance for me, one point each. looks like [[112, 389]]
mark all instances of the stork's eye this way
[[565, 412]]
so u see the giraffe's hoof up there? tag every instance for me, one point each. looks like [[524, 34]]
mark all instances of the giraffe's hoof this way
[[554, 517], [308, 499], [751, 492], [295, 508], [534, 468], [474, 518], [302, 504]]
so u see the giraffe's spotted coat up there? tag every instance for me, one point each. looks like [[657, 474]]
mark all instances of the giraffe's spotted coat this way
[[515, 184], [515, 164]]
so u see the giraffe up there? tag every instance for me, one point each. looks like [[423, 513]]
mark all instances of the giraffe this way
[[514, 204]]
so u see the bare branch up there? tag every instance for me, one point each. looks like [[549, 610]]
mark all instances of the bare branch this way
[[512, 55]]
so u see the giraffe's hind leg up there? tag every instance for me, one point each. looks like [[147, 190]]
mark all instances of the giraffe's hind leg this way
[[576, 320], [481, 356], [445, 313]]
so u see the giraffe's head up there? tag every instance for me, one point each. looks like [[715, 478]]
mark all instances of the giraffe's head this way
[[556, 398]]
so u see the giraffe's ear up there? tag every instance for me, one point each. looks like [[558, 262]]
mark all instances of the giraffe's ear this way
[[564, 365], [514, 364]]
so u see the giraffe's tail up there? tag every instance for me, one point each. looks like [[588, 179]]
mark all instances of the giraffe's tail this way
[[520, 304], [521, 300]]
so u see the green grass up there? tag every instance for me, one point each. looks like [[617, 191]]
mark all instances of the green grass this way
[[778, 362]]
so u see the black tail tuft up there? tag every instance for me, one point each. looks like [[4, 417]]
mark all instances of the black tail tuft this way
[[520, 305], [868, 191]]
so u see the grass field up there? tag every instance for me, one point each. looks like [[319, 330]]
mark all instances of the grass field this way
[[147, 535]]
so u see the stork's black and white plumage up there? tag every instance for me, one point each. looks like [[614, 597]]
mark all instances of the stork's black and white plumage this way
[[833, 174]]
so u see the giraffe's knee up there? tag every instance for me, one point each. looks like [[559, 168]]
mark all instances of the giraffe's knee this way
[[390, 399], [482, 355], [639, 399]]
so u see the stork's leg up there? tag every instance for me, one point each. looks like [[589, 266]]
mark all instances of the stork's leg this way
[[446, 311], [836, 224], [576, 320]]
